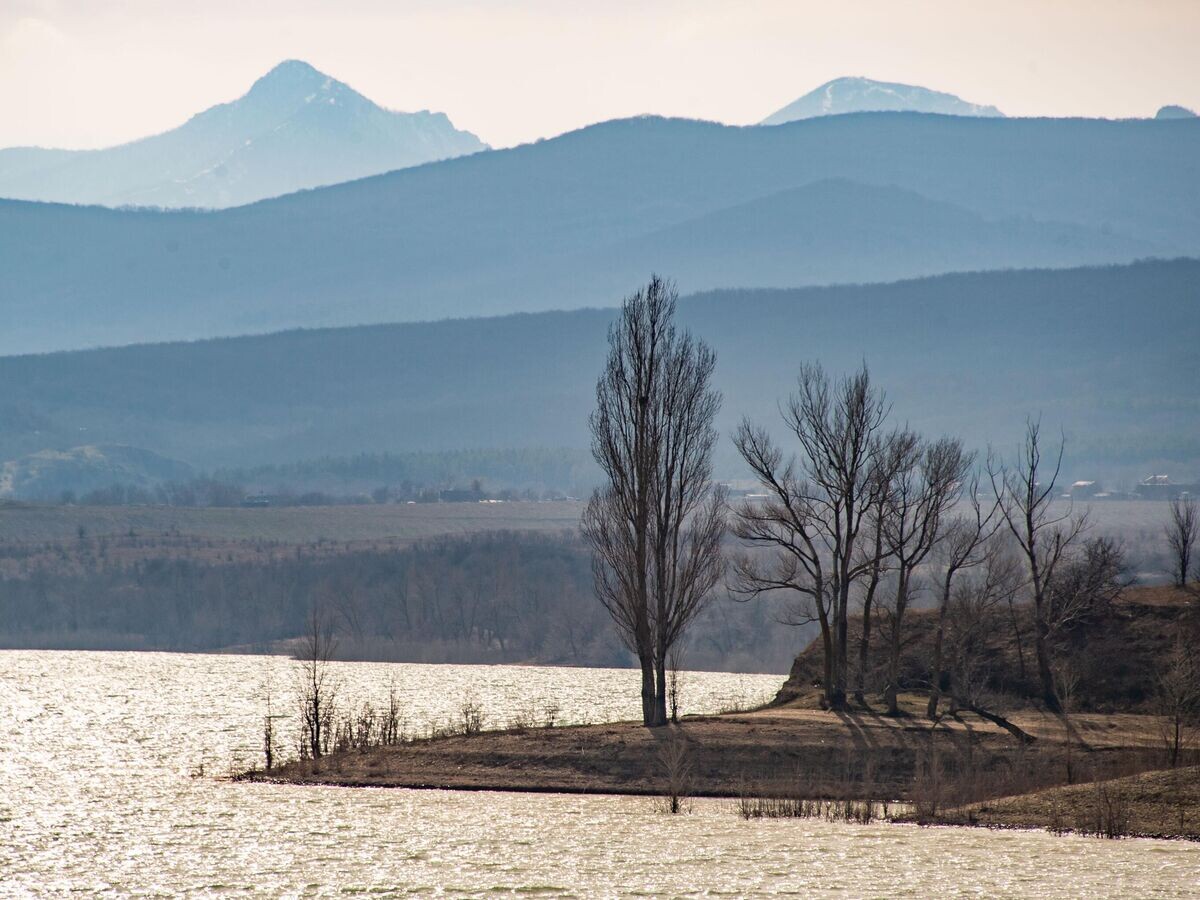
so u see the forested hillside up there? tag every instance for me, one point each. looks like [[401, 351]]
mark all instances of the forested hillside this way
[[1108, 354]]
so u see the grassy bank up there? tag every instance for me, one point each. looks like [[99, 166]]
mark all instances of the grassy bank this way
[[790, 751], [1164, 804], [1114, 653]]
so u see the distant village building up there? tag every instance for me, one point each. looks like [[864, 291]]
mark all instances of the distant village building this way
[[1160, 487], [1082, 490]]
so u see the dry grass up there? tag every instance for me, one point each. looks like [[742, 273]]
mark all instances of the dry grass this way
[[803, 762], [777, 752], [1165, 595], [1163, 803]]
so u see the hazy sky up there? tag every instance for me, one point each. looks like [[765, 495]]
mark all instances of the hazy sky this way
[[85, 73]]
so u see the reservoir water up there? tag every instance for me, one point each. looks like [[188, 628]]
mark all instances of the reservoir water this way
[[112, 781]]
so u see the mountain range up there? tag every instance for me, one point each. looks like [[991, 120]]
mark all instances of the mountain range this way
[[856, 95], [1109, 354], [578, 220], [295, 128]]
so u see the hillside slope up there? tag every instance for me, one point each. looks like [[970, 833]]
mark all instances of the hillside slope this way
[[567, 222], [1109, 354], [47, 473], [1116, 652], [834, 230]]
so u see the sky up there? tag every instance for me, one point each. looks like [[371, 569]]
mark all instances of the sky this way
[[92, 73]]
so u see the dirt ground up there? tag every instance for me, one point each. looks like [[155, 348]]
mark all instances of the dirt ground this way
[[787, 751]]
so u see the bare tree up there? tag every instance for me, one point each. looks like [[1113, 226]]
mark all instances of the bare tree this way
[[967, 544], [925, 486], [816, 508], [1181, 537], [898, 450], [269, 726], [656, 527], [317, 688], [1044, 537], [674, 681], [675, 758], [1178, 696], [1084, 586], [971, 622]]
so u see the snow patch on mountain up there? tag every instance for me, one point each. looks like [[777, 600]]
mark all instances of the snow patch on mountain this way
[[855, 95]]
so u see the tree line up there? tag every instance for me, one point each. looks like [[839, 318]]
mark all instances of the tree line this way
[[216, 492], [486, 597], [857, 514]]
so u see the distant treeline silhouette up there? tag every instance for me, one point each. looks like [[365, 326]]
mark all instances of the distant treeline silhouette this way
[[496, 597], [510, 473]]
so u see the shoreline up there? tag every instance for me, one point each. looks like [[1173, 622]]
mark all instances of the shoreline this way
[[965, 771], [952, 821], [780, 747]]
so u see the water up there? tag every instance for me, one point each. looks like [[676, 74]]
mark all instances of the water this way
[[101, 793]]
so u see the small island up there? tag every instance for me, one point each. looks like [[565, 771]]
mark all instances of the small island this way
[[981, 657], [1100, 770]]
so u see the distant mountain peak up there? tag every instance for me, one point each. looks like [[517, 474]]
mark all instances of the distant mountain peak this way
[[293, 70], [1174, 112], [294, 82], [295, 128], [859, 94]]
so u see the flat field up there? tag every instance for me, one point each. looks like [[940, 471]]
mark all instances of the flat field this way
[[27, 523]]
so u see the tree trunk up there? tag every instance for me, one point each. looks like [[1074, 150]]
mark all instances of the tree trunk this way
[[935, 685], [953, 706], [648, 707], [1045, 673], [892, 691], [864, 640], [827, 665], [1015, 730], [660, 697], [864, 650], [837, 695], [1012, 612]]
